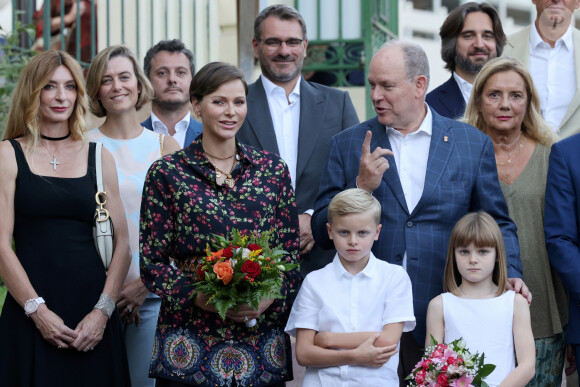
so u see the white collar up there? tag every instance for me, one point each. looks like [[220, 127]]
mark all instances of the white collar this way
[[270, 86], [368, 271], [426, 126], [156, 121], [566, 39]]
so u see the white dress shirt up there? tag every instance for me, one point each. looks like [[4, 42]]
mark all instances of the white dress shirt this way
[[411, 154], [333, 300], [464, 86], [180, 128], [285, 113], [554, 74]]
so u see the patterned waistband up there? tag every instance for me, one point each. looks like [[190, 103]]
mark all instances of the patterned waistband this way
[[188, 265]]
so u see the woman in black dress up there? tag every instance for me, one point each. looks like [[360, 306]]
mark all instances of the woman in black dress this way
[[59, 325]]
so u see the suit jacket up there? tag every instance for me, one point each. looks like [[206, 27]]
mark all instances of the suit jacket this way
[[461, 177], [324, 112], [562, 224], [193, 130], [519, 47], [447, 100]]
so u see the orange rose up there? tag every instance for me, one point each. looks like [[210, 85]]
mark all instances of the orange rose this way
[[224, 271]]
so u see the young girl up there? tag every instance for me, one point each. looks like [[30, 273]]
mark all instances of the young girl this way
[[477, 306]]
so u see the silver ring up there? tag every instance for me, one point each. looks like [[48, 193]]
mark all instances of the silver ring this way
[[245, 318], [60, 346], [89, 348]]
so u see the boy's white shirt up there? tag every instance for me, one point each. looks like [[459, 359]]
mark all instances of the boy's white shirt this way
[[333, 300]]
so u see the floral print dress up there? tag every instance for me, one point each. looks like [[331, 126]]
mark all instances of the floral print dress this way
[[181, 207]]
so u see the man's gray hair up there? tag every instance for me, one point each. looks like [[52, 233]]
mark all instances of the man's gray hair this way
[[282, 12], [416, 62]]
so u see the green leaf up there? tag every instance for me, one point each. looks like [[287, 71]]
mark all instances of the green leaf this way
[[433, 341], [486, 370]]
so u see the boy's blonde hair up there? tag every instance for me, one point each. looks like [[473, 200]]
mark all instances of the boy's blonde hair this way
[[480, 229], [354, 201]]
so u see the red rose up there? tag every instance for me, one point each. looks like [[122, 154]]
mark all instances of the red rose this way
[[228, 253], [252, 269], [253, 247], [442, 380], [200, 273]]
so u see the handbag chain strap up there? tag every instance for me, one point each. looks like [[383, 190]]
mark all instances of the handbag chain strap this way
[[102, 212]]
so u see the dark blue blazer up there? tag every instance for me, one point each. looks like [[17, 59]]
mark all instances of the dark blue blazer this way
[[461, 177], [447, 100], [193, 130], [562, 224]]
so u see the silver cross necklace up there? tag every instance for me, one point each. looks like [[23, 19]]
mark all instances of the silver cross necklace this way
[[54, 163]]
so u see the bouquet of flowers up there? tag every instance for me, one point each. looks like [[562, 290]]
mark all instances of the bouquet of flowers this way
[[450, 365], [241, 269]]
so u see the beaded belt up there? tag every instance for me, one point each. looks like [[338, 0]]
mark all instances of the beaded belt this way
[[189, 265]]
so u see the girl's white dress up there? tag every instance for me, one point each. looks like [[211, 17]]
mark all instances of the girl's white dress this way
[[486, 326]]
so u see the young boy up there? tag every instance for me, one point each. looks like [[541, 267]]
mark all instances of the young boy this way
[[348, 317]]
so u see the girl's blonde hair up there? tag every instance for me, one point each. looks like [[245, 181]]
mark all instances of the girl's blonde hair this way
[[24, 117], [533, 126], [480, 229], [97, 70]]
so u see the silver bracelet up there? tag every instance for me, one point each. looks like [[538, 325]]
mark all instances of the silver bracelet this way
[[105, 305]]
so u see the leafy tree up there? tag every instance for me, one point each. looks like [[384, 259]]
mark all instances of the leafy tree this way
[[13, 58]]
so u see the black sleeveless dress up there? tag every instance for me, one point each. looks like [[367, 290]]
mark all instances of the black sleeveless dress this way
[[54, 243]]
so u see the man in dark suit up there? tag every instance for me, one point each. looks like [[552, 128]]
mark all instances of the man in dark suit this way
[[426, 170], [470, 36], [561, 227], [169, 66], [292, 117]]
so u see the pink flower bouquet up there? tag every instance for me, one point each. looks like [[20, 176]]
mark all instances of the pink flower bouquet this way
[[241, 269], [450, 365]]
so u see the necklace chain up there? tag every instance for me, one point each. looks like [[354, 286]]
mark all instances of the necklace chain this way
[[54, 163], [228, 180], [220, 157], [509, 160]]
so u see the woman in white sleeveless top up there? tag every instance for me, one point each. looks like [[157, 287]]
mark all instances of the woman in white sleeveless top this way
[[117, 88]]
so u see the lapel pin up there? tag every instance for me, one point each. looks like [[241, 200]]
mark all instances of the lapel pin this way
[[445, 138]]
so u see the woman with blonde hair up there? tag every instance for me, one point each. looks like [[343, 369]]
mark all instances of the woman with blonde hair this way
[[117, 89], [505, 105], [69, 333]]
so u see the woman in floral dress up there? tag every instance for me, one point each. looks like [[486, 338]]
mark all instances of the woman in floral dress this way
[[212, 186]]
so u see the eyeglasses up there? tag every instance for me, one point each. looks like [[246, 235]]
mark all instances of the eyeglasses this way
[[274, 44]]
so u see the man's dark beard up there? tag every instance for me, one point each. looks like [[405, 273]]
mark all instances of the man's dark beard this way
[[171, 106], [466, 65]]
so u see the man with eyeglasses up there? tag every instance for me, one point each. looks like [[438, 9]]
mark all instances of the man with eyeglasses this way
[[292, 117]]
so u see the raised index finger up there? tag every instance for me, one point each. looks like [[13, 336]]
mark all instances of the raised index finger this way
[[366, 146]]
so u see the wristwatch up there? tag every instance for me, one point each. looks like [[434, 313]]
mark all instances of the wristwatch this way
[[31, 305]]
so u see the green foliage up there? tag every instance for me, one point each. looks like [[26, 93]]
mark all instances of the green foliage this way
[[12, 61]]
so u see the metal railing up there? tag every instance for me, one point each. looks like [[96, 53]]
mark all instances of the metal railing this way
[[139, 24]]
